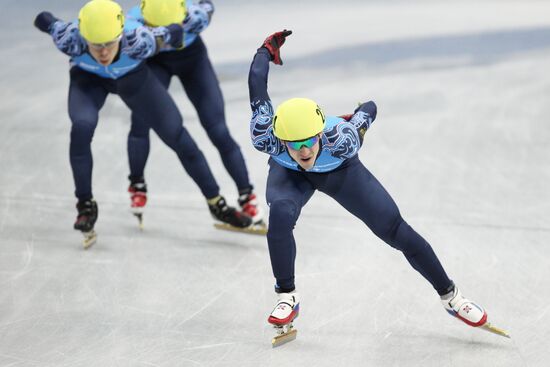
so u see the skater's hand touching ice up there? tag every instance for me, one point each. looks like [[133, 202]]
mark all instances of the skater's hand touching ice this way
[[273, 43]]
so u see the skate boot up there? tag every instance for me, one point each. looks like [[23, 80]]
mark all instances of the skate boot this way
[[282, 316], [138, 197], [249, 205], [85, 221], [228, 217], [467, 311]]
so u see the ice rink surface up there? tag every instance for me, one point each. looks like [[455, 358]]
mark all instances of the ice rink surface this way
[[461, 142]]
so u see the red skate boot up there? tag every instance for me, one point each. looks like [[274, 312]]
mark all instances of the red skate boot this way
[[138, 198], [249, 205]]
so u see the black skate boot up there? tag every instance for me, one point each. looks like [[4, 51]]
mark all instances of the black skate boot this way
[[85, 221], [230, 217]]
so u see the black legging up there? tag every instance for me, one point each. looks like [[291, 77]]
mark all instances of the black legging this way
[[145, 96], [358, 191], [195, 72]]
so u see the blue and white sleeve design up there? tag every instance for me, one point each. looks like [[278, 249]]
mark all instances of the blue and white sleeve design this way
[[261, 124], [141, 43], [342, 140], [261, 129], [361, 121], [198, 17], [67, 38]]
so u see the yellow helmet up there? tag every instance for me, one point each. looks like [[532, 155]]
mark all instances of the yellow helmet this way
[[160, 13], [298, 119], [101, 21]]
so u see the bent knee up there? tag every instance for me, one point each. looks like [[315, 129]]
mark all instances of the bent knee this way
[[220, 137], [82, 131], [283, 215], [389, 231]]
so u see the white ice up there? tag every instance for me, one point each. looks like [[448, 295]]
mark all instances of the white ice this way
[[461, 142]]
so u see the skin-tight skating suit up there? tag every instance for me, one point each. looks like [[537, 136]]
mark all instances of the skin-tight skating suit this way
[[130, 78], [337, 172], [193, 68]]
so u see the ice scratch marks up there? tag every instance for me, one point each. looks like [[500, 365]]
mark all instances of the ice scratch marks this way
[[19, 360], [5, 213], [28, 254], [204, 307], [208, 346]]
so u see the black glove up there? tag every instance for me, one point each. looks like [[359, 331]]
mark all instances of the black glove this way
[[273, 43], [44, 21], [176, 35], [367, 107]]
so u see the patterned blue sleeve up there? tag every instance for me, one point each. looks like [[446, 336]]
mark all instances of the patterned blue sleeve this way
[[361, 121], [67, 38], [198, 17], [363, 118], [261, 129], [140, 43], [342, 140], [261, 124]]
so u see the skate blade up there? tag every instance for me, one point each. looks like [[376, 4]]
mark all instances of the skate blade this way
[[90, 238], [139, 217], [493, 329], [258, 230], [284, 338]]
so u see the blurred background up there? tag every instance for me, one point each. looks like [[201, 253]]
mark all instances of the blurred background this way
[[461, 142]]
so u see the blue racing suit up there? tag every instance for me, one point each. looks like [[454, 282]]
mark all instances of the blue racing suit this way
[[338, 173], [194, 70], [130, 78]]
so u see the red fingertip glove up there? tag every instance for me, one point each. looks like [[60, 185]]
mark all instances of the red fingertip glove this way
[[273, 43]]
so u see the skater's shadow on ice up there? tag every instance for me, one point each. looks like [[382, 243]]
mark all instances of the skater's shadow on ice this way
[[464, 340], [434, 52], [210, 238], [469, 49]]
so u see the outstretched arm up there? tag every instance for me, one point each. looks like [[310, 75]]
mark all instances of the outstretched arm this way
[[198, 16], [346, 138], [363, 117], [144, 42], [261, 125], [65, 34]]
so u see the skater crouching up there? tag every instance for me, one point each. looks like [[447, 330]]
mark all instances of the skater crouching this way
[[191, 65], [107, 56], [310, 151]]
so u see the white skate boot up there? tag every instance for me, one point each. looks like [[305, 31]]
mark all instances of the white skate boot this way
[[467, 311], [282, 316]]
